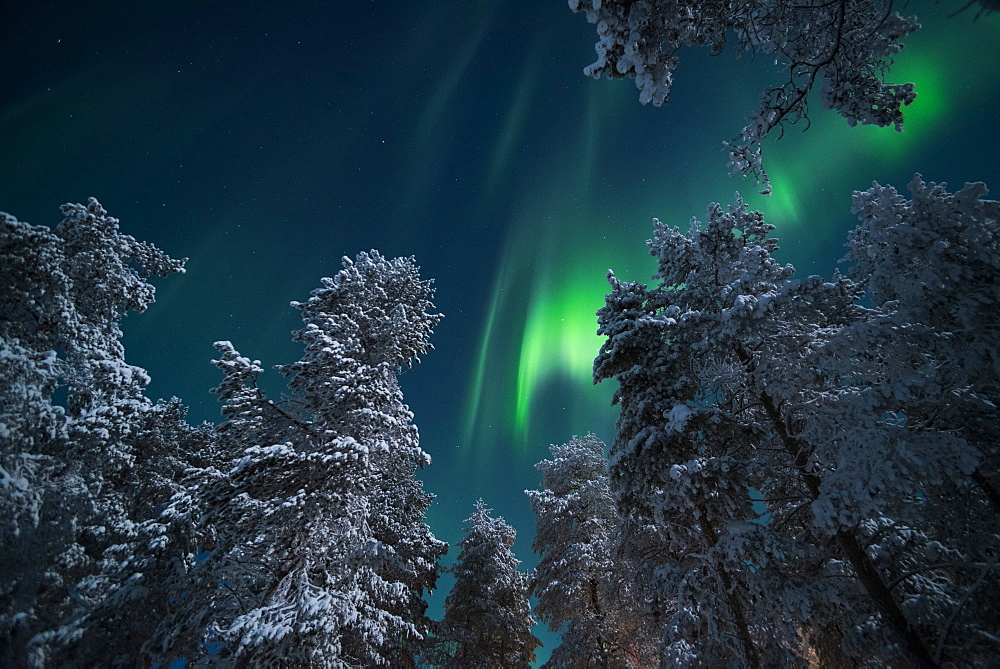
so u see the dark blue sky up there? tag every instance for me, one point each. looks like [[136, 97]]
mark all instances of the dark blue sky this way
[[265, 140]]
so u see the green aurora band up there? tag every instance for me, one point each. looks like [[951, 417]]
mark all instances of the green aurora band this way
[[539, 333]]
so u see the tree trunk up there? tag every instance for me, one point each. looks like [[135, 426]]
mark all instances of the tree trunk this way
[[735, 606], [917, 654], [988, 489]]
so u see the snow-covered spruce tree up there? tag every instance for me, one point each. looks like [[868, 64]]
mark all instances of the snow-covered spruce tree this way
[[846, 44], [581, 584], [70, 463], [388, 316], [862, 490], [313, 549], [487, 616]]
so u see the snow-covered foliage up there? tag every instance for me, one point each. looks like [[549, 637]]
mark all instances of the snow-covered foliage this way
[[78, 466], [931, 265], [291, 535], [487, 616], [804, 470], [848, 45], [819, 469], [309, 547], [132, 589], [361, 328], [934, 260], [682, 461], [582, 583]]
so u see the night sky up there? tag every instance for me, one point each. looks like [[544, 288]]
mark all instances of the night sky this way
[[265, 140]]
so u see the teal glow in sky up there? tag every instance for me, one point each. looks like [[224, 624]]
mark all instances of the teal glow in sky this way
[[538, 336], [265, 140]]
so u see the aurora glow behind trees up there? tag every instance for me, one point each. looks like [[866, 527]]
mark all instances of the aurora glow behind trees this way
[[805, 470], [847, 45]]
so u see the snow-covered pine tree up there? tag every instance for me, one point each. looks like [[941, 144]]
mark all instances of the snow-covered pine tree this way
[[136, 576], [683, 460], [390, 318], [931, 266], [303, 561], [74, 423], [582, 584], [881, 412], [866, 495], [934, 261], [844, 47], [487, 616]]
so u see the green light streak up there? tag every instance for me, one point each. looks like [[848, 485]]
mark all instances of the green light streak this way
[[782, 206], [432, 124], [514, 121], [474, 404], [448, 87], [574, 215], [559, 337], [539, 331], [533, 365]]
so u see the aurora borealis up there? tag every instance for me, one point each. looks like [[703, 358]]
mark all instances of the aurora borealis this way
[[266, 140]]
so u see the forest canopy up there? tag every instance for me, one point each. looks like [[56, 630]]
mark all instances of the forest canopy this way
[[804, 469]]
